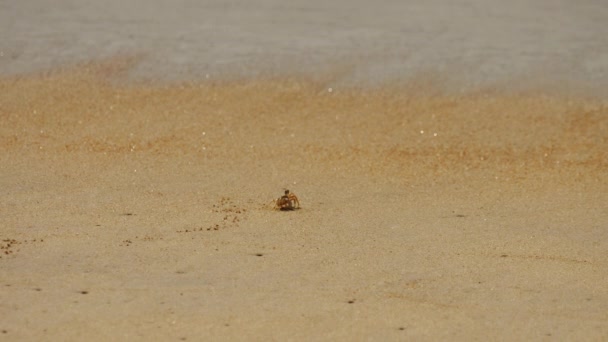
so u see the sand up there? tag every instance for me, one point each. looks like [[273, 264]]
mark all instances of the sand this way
[[138, 206]]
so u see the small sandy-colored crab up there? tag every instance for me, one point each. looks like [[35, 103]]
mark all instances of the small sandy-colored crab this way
[[288, 201]]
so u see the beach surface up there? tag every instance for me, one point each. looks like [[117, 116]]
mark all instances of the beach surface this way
[[450, 159]]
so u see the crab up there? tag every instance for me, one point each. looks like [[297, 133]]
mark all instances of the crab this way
[[289, 201]]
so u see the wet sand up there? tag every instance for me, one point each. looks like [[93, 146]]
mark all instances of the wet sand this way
[[134, 208]]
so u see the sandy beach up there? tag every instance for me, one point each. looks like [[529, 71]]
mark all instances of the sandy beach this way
[[452, 172]]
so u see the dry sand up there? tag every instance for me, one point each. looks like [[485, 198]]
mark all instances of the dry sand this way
[[141, 210]]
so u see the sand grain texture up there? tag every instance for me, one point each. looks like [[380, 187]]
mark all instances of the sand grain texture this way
[[138, 211]]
